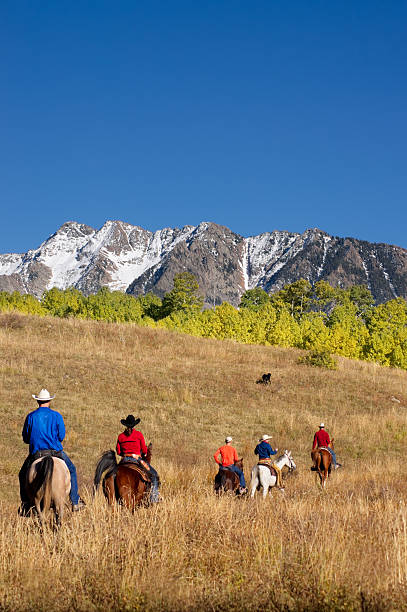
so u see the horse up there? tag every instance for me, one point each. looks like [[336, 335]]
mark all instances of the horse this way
[[125, 482], [262, 476], [322, 459], [48, 484], [264, 380], [227, 481]]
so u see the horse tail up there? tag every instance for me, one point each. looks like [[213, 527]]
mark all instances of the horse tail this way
[[42, 479], [107, 463]]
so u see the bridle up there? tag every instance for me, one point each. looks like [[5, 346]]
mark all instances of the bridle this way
[[291, 465]]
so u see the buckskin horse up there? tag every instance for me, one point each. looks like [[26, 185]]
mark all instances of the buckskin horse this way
[[227, 481], [125, 482], [263, 477], [322, 459], [48, 484]]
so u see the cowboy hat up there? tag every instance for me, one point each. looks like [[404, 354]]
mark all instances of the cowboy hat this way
[[321, 425], [265, 437], [129, 421], [228, 439], [43, 396]]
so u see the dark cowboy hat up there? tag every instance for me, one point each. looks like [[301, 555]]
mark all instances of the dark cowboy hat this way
[[129, 421]]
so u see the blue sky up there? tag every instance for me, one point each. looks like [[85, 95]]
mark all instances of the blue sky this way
[[257, 115]]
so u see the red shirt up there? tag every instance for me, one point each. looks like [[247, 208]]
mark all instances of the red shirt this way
[[321, 438], [228, 455], [133, 444]]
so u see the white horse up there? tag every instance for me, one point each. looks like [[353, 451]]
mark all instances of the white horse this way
[[262, 476]]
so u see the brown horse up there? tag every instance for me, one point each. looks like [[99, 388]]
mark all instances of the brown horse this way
[[48, 483], [125, 482], [322, 459], [227, 481]]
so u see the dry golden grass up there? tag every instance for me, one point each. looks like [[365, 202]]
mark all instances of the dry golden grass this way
[[344, 548]]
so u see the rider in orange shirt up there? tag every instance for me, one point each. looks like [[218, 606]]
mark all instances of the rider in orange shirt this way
[[228, 457]]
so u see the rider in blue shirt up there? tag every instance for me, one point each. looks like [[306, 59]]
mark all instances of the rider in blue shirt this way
[[44, 430], [265, 452], [263, 449]]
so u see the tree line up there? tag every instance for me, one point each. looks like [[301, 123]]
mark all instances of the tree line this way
[[316, 317]]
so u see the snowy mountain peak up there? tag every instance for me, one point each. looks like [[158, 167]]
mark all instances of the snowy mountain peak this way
[[129, 258]]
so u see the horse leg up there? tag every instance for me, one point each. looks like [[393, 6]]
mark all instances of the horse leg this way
[[40, 516], [265, 484], [109, 490], [253, 484]]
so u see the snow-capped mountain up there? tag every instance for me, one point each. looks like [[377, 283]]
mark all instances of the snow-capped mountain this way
[[128, 258]]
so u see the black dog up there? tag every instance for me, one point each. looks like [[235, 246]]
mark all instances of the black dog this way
[[264, 380]]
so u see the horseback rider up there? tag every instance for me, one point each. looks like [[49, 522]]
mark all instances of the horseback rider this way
[[265, 452], [228, 457], [44, 431], [132, 448], [322, 439]]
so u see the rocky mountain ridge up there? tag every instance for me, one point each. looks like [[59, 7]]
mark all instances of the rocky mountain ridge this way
[[129, 258]]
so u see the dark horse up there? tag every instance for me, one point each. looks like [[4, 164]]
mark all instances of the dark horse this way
[[322, 459], [227, 481], [125, 482]]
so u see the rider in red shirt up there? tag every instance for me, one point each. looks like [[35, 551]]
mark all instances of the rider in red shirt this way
[[321, 438], [132, 447], [131, 442], [228, 456]]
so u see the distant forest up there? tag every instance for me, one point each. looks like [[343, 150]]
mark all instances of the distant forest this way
[[315, 317]]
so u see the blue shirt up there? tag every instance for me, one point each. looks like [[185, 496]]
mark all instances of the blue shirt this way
[[264, 450], [44, 429]]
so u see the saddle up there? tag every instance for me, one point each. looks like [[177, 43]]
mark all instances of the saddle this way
[[274, 470], [325, 448], [267, 463], [137, 468], [49, 452]]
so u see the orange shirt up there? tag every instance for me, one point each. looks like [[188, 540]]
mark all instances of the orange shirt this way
[[228, 455]]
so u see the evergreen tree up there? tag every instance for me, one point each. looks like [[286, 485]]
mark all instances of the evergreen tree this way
[[254, 298], [296, 296], [184, 296]]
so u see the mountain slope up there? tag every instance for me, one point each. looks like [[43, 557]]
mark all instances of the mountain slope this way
[[129, 258]]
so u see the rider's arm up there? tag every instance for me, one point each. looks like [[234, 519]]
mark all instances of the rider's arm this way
[[118, 446], [216, 455], [235, 455], [26, 433], [315, 443], [143, 445], [60, 427], [272, 452]]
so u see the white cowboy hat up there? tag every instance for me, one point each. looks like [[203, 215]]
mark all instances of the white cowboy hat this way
[[43, 396], [321, 425], [228, 439], [265, 437]]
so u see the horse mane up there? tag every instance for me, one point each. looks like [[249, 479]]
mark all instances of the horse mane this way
[[107, 462]]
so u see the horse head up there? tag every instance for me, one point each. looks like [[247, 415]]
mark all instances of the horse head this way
[[289, 461], [239, 463]]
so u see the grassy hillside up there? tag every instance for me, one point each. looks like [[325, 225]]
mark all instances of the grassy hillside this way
[[309, 549]]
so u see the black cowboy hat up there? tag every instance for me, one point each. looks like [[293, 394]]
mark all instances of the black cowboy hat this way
[[129, 421]]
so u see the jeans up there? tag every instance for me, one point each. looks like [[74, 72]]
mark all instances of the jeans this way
[[235, 469], [155, 481], [73, 495], [331, 450]]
